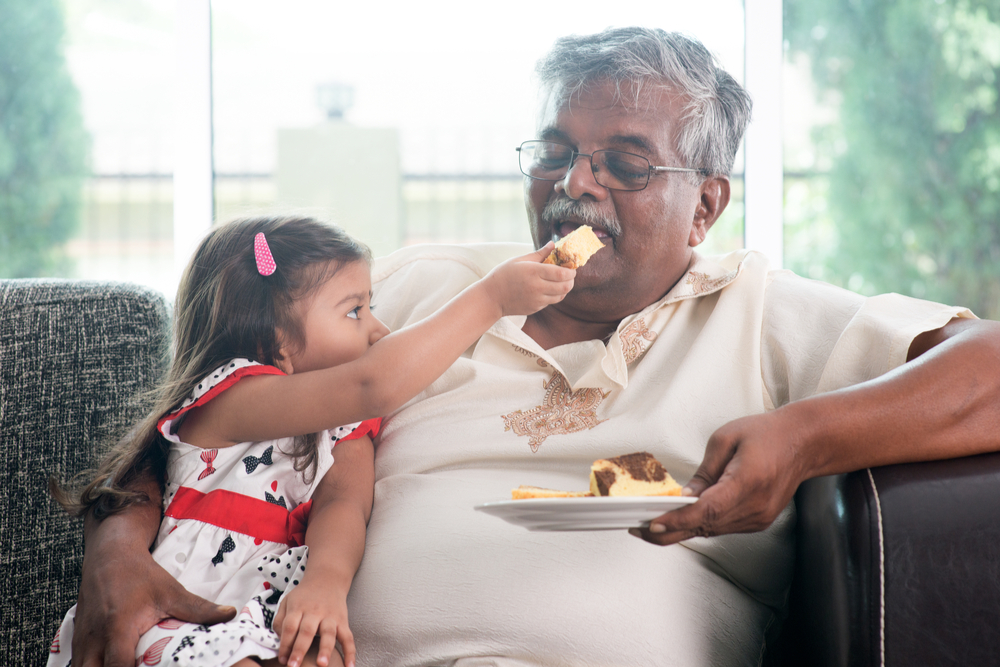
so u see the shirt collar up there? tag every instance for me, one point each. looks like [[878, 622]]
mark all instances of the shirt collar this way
[[705, 275], [608, 365]]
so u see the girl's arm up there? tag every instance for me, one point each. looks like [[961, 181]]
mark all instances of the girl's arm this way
[[393, 370], [342, 505]]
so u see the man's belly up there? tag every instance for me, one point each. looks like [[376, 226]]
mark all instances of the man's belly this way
[[442, 584]]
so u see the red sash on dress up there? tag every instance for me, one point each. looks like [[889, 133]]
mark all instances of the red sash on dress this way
[[250, 516]]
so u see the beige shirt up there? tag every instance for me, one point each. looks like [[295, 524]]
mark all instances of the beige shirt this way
[[442, 584]]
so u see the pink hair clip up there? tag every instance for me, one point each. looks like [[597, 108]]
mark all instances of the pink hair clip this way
[[262, 253]]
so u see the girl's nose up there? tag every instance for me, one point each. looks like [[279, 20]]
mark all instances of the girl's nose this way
[[378, 331]]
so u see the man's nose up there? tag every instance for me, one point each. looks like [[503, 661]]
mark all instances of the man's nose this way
[[579, 180], [378, 331]]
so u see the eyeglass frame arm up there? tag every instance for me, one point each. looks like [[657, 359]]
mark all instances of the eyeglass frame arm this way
[[653, 169]]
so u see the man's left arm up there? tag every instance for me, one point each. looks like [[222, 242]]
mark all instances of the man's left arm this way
[[943, 403]]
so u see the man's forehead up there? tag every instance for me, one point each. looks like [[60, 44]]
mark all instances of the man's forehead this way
[[632, 114], [639, 142]]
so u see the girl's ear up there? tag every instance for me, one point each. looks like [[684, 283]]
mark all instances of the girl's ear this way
[[285, 364], [283, 360]]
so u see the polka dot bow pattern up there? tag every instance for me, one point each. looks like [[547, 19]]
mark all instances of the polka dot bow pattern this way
[[261, 251]]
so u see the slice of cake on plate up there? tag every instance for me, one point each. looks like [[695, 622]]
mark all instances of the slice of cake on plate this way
[[637, 474]]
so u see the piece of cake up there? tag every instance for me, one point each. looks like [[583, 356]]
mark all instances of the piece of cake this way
[[574, 249], [637, 474], [524, 492]]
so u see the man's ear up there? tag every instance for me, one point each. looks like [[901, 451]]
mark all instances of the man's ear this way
[[712, 201]]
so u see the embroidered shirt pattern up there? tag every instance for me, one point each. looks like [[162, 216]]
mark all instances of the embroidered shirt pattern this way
[[521, 350], [633, 339], [538, 360], [701, 282], [562, 411]]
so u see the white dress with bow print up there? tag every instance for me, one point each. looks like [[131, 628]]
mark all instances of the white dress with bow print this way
[[232, 532]]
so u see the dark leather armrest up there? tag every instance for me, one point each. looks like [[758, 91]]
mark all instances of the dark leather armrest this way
[[898, 565]]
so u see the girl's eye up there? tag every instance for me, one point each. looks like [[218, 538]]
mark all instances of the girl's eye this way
[[355, 313]]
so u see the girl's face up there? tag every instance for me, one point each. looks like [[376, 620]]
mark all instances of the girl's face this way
[[337, 321]]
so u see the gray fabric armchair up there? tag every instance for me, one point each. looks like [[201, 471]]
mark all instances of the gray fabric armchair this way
[[73, 358]]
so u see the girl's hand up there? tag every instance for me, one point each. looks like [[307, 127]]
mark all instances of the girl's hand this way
[[311, 610], [523, 285]]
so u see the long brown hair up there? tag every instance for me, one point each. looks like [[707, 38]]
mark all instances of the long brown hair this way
[[225, 309]]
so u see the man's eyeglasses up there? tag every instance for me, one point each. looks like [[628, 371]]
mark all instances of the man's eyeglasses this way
[[617, 170]]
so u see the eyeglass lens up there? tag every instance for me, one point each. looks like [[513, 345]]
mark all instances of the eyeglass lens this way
[[549, 161]]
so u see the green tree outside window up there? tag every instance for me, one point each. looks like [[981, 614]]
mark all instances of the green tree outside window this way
[[43, 144], [914, 184]]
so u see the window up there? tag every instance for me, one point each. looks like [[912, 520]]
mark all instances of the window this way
[[86, 190], [429, 100], [399, 120], [892, 147]]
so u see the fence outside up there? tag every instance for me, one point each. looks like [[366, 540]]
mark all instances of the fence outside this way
[[126, 230]]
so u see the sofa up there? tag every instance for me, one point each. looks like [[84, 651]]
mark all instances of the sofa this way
[[897, 565]]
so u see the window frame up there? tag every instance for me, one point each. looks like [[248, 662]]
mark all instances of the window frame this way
[[194, 172]]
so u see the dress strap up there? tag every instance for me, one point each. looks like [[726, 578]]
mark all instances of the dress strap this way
[[368, 427], [212, 385]]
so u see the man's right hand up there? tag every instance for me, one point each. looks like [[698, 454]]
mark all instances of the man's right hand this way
[[123, 596], [124, 592]]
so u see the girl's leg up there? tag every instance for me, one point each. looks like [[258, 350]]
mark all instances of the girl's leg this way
[[309, 661]]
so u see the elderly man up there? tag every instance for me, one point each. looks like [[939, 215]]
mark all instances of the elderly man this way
[[743, 381]]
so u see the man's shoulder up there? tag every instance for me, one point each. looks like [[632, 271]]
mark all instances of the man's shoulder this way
[[413, 282]]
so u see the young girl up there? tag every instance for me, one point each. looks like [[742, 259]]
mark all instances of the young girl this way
[[278, 359]]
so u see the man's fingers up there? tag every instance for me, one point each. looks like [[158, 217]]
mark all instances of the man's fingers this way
[[186, 606], [120, 651], [718, 453], [683, 520], [710, 515], [707, 474], [696, 485], [661, 539], [87, 653], [714, 486]]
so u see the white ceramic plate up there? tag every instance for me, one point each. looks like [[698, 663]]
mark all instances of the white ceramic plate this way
[[584, 513]]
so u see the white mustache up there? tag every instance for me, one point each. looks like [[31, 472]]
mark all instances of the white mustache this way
[[588, 214]]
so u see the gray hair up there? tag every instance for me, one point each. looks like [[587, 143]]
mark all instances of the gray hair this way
[[717, 109]]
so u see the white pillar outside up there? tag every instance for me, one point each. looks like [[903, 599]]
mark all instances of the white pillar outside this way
[[193, 171], [764, 191]]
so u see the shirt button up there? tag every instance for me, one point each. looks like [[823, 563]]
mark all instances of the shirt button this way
[[180, 558]]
